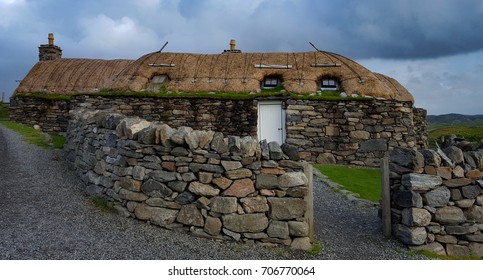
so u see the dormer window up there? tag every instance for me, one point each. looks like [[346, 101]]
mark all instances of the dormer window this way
[[157, 81], [329, 83], [271, 82]]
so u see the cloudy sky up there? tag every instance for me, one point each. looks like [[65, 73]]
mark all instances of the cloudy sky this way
[[433, 47]]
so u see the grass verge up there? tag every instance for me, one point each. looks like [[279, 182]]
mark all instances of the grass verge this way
[[35, 137], [364, 181], [102, 204], [432, 255], [4, 111]]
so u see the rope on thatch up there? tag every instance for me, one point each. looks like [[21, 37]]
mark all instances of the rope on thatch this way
[[197, 68], [245, 67]]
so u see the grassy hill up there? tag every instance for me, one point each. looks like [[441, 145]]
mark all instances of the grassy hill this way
[[469, 127]]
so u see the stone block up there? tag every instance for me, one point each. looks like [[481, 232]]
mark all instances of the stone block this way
[[275, 151], [420, 182], [130, 184], [475, 213], [465, 203], [177, 186], [407, 158], [286, 208], [205, 177], [416, 217], [245, 223], [239, 173], [474, 174], [278, 229], [431, 157], [438, 197], [249, 147], [460, 230], [231, 165], [160, 202], [298, 229], [300, 192], [456, 194], [218, 143], [256, 204], [222, 182], [470, 191], [476, 249], [292, 179], [185, 198], [455, 154], [291, 151], [266, 181], [203, 189], [240, 188], [133, 196], [225, 205], [212, 225], [449, 215], [457, 250], [406, 198], [154, 188], [163, 176], [447, 239], [326, 158], [359, 135], [159, 216], [410, 235], [301, 243], [458, 172], [444, 172], [190, 215]]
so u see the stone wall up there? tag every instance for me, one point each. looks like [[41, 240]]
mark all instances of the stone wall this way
[[198, 181], [357, 132], [354, 132], [437, 199]]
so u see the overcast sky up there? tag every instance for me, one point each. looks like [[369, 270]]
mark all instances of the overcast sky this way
[[432, 47]]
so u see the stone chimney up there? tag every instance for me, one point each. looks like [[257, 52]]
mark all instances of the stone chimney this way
[[232, 47], [49, 51]]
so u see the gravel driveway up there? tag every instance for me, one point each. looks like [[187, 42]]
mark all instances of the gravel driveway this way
[[45, 214]]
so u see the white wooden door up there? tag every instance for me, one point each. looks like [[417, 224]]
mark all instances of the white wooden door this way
[[271, 121]]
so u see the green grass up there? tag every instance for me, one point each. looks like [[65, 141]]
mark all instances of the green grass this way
[[468, 132], [364, 181], [433, 255], [33, 136], [102, 204], [4, 111]]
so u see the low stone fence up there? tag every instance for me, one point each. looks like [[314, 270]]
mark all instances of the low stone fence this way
[[197, 181], [437, 199]]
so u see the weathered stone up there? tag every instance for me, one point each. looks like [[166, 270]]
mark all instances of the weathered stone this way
[[470, 191], [447, 239], [359, 135], [298, 229], [449, 215], [457, 250], [300, 192], [474, 174], [475, 213], [138, 172], [267, 193], [190, 215], [160, 202], [465, 203], [188, 177], [205, 177], [218, 143], [420, 182], [256, 204], [258, 235], [128, 127], [292, 179], [239, 173], [416, 217], [455, 154], [434, 247], [301, 243], [163, 217], [456, 194], [326, 158], [278, 229], [410, 235], [203, 189], [291, 151], [438, 197], [163, 134], [469, 160], [431, 170], [179, 152], [479, 200], [148, 134], [406, 198], [212, 225], [163, 176], [154, 188], [225, 205], [444, 158], [202, 203], [431, 157], [245, 223], [458, 172], [460, 230], [265, 150], [249, 147], [444, 172], [276, 152], [458, 182], [231, 165], [474, 237], [373, 145], [286, 208], [130, 184], [185, 198], [476, 249], [222, 182], [274, 171], [232, 234], [130, 195], [179, 135], [240, 188], [177, 186]]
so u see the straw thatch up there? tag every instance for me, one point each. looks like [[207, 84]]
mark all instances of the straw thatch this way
[[227, 72]]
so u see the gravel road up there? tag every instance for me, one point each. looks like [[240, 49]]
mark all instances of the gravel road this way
[[45, 214]]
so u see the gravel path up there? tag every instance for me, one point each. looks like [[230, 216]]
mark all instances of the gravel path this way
[[45, 214]]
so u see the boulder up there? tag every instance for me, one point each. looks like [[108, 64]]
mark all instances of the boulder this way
[[444, 158], [291, 151], [292, 179], [460, 230], [212, 225], [420, 182], [265, 150], [275, 151], [249, 147], [455, 154], [416, 217], [438, 197], [163, 134], [449, 215], [218, 143], [470, 191], [245, 223], [410, 235], [431, 157]]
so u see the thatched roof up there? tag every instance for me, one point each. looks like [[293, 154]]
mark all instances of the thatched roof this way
[[226, 72]]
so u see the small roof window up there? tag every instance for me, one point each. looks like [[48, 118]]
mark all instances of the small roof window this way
[[271, 82], [157, 82], [329, 83]]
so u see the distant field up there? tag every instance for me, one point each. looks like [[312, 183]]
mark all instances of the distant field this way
[[471, 131]]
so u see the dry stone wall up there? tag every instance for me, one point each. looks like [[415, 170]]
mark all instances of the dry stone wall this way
[[198, 181], [437, 199]]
